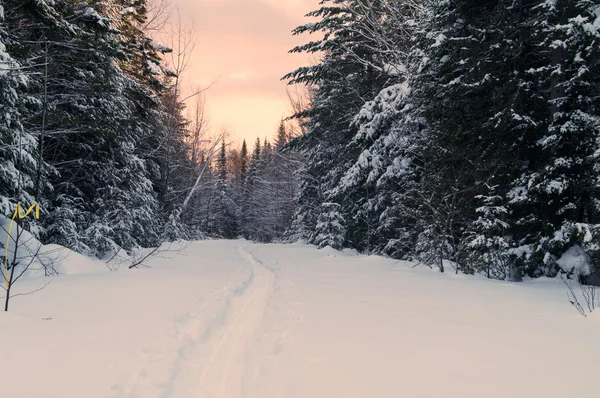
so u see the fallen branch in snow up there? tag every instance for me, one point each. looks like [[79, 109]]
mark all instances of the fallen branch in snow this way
[[152, 253], [137, 263], [107, 262], [31, 292], [421, 263]]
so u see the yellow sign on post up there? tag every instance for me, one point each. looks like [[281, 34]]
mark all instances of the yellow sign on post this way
[[20, 215]]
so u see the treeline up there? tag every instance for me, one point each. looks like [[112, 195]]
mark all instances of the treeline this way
[[93, 127], [247, 193], [460, 130], [455, 132]]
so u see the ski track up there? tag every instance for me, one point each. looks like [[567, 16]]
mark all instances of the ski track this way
[[228, 322], [211, 357]]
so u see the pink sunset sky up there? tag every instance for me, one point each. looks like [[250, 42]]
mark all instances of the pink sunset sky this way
[[244, 44]]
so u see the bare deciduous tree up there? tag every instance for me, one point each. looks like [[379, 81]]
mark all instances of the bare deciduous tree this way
[[589, 295], [374, 32], [299, 100], [24, 257], [210, 148], [182, 40], [199, 128], [159, 13]]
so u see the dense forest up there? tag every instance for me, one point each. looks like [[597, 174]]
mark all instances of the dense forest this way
[[459, 130], [94, 127], [456, 133]]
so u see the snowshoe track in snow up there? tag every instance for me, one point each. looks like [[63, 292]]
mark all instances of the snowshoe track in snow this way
[[215, 358]]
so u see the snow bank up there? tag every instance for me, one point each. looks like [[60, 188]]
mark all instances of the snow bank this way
[[231, 319], [367, 326], [43, 260], [575, 260]]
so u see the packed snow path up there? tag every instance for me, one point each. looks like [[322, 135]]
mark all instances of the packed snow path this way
[[225, 369], [229, 319]]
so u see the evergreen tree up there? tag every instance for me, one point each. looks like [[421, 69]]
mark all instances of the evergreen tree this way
[[85, 113], [374, 186], [384, 178], [244, 160], [350, 71], [555, 201], [268, 200], [282, 137], [256, 151], [469, 48], [222, 162], [498, 173], [437, 130], [266, 151], [251, 203], [18, 162], [226, 208], [330, 229]]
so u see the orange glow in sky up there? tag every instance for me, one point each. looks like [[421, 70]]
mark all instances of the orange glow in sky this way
[[244, 44]]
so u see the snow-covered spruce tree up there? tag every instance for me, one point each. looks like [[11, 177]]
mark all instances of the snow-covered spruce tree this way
[[556, 200], [283, 176], [330, 229], [243, 161], [221, 166], [270, 185], [18, 162], [489, 245], [258, 196], [29, 27], [508, 176], [89, 128], [38, 28], [281, 139], [478, 123], [247, 176], [349, 73], [277, 186], [159, 122], [385, 176], [250, 207], [226, 208], [384, 126]]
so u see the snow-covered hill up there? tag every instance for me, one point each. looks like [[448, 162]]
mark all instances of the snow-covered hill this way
[[231, 319]]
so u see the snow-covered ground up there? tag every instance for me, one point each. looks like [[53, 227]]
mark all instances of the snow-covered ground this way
[[229, 319]]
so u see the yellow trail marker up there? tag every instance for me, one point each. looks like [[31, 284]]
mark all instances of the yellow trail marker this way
[[17, 213]]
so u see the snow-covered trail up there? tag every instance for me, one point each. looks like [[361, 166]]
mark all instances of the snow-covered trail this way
[[224, 370], [213, 334], [229, 319], [356, 326]]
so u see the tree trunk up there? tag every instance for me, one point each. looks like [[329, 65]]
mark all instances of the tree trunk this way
[[10, 279], [38, 178]]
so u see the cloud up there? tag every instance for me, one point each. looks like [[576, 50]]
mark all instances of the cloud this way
[[243, 20], [244, 44]]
